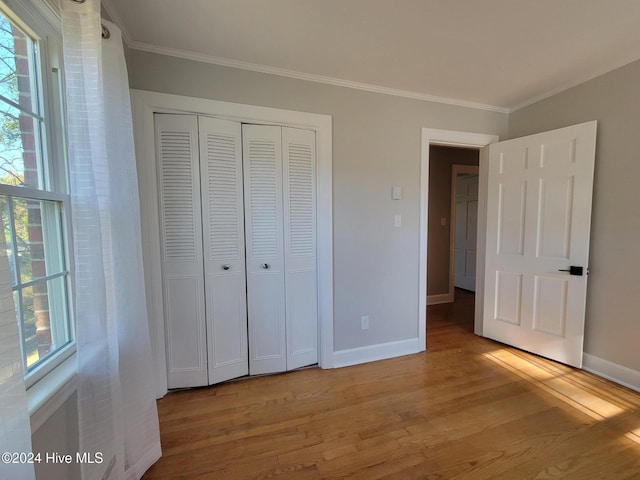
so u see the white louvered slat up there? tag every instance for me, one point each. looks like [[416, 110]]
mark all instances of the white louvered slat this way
[[177, 184], [222, 182], [301, 208], [264, 198]]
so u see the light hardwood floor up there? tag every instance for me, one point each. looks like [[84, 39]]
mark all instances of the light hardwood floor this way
[[468, 408]]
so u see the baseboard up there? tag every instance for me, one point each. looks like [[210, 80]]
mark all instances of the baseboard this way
[[612, 371], [371, 353], [441, 298]]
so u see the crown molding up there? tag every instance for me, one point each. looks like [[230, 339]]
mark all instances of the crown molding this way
[[226, 62]]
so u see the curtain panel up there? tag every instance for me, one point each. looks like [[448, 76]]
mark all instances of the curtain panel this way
[[117, 411]]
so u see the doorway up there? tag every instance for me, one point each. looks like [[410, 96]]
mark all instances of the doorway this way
[[447, 169], [452, 207], [525, 303], [460, 140]]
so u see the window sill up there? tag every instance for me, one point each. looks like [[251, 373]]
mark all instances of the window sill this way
[[49, 393]]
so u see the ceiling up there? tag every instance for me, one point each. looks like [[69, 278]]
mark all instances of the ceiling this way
[[496, 53]]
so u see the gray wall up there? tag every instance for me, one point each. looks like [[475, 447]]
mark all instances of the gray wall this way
[[612, 320], [59, 434], [441, 159], [376, 145]]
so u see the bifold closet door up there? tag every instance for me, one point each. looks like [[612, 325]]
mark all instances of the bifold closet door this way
[[236, 305], [201, 210], [280, 197], [262, 163], [224, 248], [301, 292], [181, 249]]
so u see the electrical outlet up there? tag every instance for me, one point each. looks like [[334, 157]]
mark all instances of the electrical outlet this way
[[364, 322]]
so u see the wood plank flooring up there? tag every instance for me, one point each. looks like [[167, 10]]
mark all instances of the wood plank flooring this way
[[468, 408]]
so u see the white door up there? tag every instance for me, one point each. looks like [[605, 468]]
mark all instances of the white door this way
[[301, 292], [538, 225], [227, 311], [466, 229], [223, 243], [181, 244], [280, 218], [262, 154]]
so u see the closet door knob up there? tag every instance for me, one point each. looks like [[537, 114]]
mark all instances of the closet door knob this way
[[226, 267], [266, 266]]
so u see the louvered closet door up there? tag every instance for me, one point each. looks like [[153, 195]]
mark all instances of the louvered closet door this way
[[262, 162], [299, 179], [223, 238], [181, 238]]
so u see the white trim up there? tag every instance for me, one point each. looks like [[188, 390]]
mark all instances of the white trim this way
[[625, 376], [372, 353], [440, 298], [29, 193], [450, 138], [144, 104], [310, 77], [483, 193], [39, 11], [46, 396]]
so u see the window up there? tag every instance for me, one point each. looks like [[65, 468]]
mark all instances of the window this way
[[33, 195]]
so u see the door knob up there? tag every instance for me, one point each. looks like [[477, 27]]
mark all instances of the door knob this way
[[226, 267], [266, 266], [573, 270]]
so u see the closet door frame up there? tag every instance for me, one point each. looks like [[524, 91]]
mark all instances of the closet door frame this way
[[144, 105]]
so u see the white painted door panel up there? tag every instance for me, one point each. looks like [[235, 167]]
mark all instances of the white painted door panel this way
[[262, 164], [223, 242], [227, 311], [538, 223], [466, 232], [299, 182], [181, 239]]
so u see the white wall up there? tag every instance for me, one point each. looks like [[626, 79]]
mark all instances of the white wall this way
[[376, 144], [612, 321]]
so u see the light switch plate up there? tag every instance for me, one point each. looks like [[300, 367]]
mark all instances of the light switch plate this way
[[396, 193]]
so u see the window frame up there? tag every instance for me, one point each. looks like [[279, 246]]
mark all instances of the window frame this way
[[43, 26]]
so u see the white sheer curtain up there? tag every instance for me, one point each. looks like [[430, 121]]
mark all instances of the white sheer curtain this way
[[117, 411], [15, 429]]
